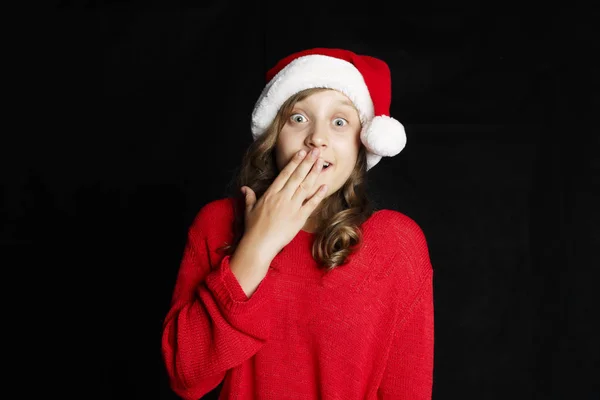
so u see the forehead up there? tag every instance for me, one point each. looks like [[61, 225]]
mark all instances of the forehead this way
[[329, 96]]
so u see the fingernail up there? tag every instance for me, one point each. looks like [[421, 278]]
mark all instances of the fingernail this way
[[302, 153]]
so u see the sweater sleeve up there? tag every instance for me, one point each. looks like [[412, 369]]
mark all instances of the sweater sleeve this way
[[212, 325], [409, 370]]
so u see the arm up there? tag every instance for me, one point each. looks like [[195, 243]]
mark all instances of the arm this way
[[409, 371], [212, 325], [409, 368]]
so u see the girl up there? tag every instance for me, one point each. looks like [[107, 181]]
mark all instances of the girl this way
[[296, 288]]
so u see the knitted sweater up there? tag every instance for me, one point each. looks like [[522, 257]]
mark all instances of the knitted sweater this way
[[364, 331]]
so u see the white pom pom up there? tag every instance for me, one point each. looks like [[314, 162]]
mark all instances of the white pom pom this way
[[384, 136]]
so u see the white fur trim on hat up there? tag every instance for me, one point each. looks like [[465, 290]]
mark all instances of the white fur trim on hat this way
[[309, 72], [372, 160]]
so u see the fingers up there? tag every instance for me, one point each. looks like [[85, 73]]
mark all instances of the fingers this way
[[298, 177], [308, 208], [306, 186], [286, 173]]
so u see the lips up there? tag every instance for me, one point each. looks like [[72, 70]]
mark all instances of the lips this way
[[328, 162], [326, 169]]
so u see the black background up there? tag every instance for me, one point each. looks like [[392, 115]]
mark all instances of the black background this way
[[137, 114]]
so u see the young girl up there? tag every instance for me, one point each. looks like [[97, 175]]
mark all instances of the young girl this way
[[296, 288]]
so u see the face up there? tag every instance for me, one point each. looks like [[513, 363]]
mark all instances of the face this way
[[326, 120]]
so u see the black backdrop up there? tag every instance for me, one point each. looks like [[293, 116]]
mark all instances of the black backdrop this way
[[141, 116]]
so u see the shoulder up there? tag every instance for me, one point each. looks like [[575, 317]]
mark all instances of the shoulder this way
[[398, 226], [214, 215], [401, 236]]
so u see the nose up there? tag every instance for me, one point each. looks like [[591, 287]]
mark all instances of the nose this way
[[318, 137]]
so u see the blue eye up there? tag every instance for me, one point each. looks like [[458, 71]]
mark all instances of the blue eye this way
[[298, 118], [340, 122]]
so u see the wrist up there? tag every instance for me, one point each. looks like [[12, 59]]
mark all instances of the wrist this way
[[257, 249]]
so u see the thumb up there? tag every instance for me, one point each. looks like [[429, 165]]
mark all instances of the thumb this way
[[250, 197]]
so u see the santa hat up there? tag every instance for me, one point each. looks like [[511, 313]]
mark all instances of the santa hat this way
[[365, 80]]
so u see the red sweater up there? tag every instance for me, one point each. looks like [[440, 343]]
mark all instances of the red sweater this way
[[365, 331]]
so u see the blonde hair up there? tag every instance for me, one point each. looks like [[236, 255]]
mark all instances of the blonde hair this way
[[339, 216]]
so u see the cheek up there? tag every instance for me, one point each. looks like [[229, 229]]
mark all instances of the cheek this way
[[350, 151], [349, 160], [284, 151], [286, 147]]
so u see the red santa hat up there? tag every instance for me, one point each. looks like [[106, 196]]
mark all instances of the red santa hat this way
[[365, 80]]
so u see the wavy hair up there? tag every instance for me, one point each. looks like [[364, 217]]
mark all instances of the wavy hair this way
[[338, 217]]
